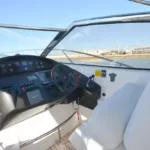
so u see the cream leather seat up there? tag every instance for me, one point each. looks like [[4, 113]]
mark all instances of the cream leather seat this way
[[137, 134], [106, 127]]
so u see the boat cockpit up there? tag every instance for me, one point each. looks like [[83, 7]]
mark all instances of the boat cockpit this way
[[30, 81], [88, 89]]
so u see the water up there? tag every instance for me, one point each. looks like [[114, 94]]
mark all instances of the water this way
[[133, 62], [137, 62]]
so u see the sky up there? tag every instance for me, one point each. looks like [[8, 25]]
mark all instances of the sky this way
[[52, 13]]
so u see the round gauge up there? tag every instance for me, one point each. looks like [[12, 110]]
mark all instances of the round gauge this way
[[9, 65], [4, 70], [30, 62], [11, 69], [3, 66], [25, 68], [24, 63], [38, 67], [17, 63]]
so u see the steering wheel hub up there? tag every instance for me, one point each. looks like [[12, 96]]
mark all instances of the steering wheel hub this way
[[64, 78]]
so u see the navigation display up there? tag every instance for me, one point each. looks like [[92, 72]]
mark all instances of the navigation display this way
[[31, 78], [44, 75]]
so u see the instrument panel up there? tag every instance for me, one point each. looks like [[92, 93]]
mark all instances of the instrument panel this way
[[18, 64], [38, 80]]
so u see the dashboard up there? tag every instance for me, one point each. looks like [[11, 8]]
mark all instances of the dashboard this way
[[33, 81], [16, 64]]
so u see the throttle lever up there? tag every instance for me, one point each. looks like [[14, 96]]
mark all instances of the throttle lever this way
[[89, 79]]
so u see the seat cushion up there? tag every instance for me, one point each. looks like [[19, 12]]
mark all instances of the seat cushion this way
[[137, 134], [82, 140], [109, 119], [105, 129]]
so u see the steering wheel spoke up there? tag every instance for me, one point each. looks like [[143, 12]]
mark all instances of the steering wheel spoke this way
[[64, 78]]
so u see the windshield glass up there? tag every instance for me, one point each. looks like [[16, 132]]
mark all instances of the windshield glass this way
[[24, 42], [127, 43]]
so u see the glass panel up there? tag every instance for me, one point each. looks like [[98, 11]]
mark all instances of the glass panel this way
[[127, 43], [14, 41]]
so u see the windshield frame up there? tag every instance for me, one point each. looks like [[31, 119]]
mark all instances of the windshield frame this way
[[143, 17]]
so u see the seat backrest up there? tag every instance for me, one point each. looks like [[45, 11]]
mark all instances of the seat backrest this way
[[6, 105], [110, 118], [137, 134]]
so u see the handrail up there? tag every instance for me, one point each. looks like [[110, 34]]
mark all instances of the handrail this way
[[144, 2], [47, 133], [32, 28]]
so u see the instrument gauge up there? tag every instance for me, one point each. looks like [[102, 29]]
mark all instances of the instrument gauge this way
[[9, 65], [17, 64], [30, 63], [26, 68], [11, 70], [4, 70], [36, 62], [24, 63], [2, 66]]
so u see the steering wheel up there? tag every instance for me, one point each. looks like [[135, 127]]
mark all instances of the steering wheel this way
[[64, 78]]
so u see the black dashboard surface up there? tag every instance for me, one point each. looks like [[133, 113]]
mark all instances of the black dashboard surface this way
[[22, 64]]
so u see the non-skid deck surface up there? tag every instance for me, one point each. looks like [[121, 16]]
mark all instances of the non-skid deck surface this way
[[64, 144]]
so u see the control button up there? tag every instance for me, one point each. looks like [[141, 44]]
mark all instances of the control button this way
[[45, 82], [24, 89]]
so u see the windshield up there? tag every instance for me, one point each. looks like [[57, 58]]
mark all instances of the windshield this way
[[24, 42], [127, 43]]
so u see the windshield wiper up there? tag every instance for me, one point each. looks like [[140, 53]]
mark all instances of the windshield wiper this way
[[101, 57]]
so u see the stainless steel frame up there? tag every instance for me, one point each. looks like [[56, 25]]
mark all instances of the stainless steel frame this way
[[57, 128], [144, 2], [125, 18], [32, 28]]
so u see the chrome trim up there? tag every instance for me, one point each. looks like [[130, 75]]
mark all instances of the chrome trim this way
[[133, 17], [32, 28], [144, 2], [125, 18], [47, 133]]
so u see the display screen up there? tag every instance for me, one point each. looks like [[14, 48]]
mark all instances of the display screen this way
[[31, 78], [44, 75]]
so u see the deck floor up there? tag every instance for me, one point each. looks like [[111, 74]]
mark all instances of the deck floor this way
[[64, 144]]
